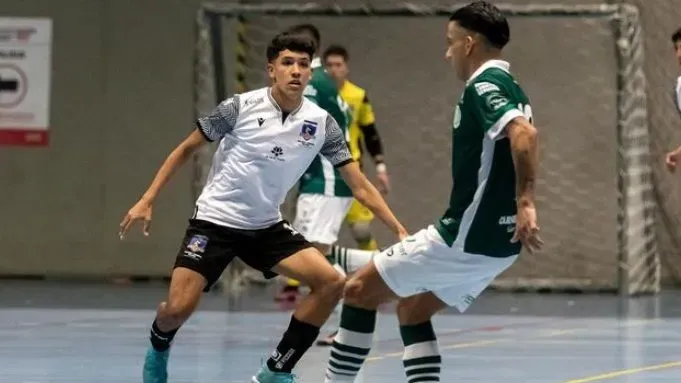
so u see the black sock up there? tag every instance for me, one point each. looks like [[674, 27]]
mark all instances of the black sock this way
[[296, 340], [161, 340]]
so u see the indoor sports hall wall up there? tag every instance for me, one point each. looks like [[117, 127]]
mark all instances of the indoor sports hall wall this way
[[122, 97]]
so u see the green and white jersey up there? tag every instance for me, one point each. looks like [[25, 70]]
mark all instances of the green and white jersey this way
[[321, 177], [482, 208]]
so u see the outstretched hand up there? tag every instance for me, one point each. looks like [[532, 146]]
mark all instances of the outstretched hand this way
[[526, 229], [672, 160], [383, 182], [140, 212]]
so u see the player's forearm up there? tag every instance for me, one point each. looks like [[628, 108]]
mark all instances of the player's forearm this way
[[174, 161], [370, 197], [524, 149], [373, 143]]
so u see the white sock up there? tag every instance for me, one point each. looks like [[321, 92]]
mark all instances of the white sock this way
[[421, 359], [352, 344], [351, 260]]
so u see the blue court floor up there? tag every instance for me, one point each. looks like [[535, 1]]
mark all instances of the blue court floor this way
[[78, 333]]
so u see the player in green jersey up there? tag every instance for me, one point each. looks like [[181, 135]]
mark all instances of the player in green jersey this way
[[323, 197], [490, 215]]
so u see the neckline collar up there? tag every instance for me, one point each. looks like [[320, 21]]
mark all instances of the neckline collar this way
[[500, 64], [276, 105]]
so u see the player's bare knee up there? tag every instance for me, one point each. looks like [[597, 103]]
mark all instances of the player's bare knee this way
[[336, 284], [323, 248], [330, 285], [356, 293], [335, 288]]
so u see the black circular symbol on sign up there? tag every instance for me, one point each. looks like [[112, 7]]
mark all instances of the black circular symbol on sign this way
[[13, 85]]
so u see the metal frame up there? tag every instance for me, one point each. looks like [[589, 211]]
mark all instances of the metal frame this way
[[211, 14]]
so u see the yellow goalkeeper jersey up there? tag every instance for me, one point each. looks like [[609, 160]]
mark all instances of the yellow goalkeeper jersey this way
[[362, 115]]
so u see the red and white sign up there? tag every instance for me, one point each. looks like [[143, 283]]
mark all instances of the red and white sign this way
[[25, 68]]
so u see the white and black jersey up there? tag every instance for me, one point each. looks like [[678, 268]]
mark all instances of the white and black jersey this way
[[261, 155]]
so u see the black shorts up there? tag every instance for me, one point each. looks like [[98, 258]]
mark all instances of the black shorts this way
[[208, 248]]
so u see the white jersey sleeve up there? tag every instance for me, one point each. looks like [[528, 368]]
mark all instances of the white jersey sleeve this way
[[221, 120], [335, 148]]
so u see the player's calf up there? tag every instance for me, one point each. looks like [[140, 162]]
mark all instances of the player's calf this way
[[346, 261], [172, 314], [325, 293], [421, 359], [183, 297], [363, 293], [351, 345], [418, 308], [326, 287], [184, 294]]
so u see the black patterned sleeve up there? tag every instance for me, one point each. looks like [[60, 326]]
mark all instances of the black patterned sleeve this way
[[220, 120], [335, 147]]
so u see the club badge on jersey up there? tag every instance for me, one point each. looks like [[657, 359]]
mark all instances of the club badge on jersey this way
[[307, 133]]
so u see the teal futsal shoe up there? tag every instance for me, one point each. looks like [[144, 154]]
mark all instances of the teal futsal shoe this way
[[267, 376], [155, 366]]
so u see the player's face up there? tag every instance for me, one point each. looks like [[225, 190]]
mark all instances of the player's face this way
[[337, 68], [459, 48], [290, 72], [677, 50]]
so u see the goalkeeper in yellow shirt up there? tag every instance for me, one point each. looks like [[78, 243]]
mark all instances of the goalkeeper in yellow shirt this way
[[361, 129]]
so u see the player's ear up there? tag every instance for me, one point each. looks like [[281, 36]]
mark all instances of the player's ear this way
[[468, 45], [270, 71]]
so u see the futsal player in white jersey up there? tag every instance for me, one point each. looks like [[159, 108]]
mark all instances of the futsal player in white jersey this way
[[267, 138], [672, 159]]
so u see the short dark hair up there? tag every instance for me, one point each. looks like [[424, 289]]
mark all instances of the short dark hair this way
[[293, 42], [308, 29], [676, 36], [336, 50], [486, 19]]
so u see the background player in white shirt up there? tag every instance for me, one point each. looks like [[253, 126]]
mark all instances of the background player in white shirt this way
[[673, 157], [268, 137]]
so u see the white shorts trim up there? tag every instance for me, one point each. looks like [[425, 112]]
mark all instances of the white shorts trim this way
[[423, 262], [319, 217]]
